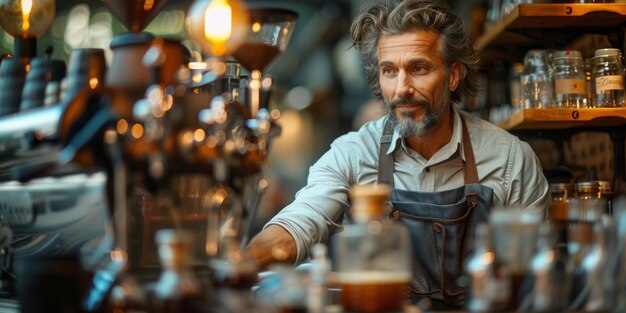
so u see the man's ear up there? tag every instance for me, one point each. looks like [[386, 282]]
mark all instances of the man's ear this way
[[456, 71]]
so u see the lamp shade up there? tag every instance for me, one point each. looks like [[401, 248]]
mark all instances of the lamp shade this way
[[135, 14]]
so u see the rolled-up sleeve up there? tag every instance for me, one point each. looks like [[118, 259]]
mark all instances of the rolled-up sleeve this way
[[318, 208]]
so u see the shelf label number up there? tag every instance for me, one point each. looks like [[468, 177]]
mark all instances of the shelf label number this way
[[575, 114], [569, 10]]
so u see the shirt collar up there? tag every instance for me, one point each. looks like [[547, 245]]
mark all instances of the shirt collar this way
[[448, 150]]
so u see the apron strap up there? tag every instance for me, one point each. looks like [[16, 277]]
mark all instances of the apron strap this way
[[470, 173], [385, 161]]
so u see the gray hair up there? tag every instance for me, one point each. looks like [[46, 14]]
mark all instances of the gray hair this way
[[388, 17]]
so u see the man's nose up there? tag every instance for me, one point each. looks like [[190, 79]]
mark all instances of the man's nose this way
[[404, 88]]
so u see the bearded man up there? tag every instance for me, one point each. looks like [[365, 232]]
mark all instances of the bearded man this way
[[442, 164]]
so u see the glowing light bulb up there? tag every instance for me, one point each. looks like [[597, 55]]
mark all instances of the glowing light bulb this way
[[26, 18], [27, 5], [218, 21], [218, 26]]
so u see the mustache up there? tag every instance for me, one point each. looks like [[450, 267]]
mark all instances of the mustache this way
[[408, 101]]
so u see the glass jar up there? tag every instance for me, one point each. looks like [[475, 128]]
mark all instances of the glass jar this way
[[597, 189], [608, 78], [558, 214], [515, 233], [569, 79], [373, 255], [177, 289], [537, 86], [489, 281], [587, 209], [550, 274], [515, 85]]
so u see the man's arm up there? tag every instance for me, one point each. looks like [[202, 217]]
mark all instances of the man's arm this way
[[317, 210], [272, 244], [529, 187]]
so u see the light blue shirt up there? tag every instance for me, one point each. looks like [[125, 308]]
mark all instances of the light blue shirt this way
[[505, 164]]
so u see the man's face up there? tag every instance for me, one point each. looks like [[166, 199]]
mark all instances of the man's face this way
[[414, 81]]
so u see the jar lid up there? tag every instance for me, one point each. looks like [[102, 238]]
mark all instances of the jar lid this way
[[607, 52], [562, 187], [535, 59], [567, 54], [369, 200], [593, 186]]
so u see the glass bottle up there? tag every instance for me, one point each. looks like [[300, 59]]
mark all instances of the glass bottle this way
[[490, 282], [177, 289], [608, 78], [317, 287], [516, 233], [114, 289], [558, 214], [234, 273], [582, 214], [550, 274], [593, 284], [537, 86], [373, 255], [570, 87], [291, 294], [619, 235]]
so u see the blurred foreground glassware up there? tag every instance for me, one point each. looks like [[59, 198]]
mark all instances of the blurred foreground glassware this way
[[177, 289], [558, 212], [593, 283], [234, 275], [317, 293], [537, 86], [550, 275], [582, 215], [490, 281], [516, 232], [373, 255], [619, 267]]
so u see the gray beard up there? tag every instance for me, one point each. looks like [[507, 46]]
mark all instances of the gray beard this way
[[407, 126]]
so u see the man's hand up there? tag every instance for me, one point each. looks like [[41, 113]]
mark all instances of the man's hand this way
[[273, 244]]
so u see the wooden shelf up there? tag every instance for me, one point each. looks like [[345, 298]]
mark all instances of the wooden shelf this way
[[565, 118], [537, 25]]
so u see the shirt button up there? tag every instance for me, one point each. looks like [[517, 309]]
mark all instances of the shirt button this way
[[427, 169]]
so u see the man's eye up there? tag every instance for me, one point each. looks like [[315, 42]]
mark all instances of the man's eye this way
[[418, 69], [387, 71]]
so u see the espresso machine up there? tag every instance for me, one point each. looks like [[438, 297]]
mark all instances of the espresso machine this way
[[159, 139]]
